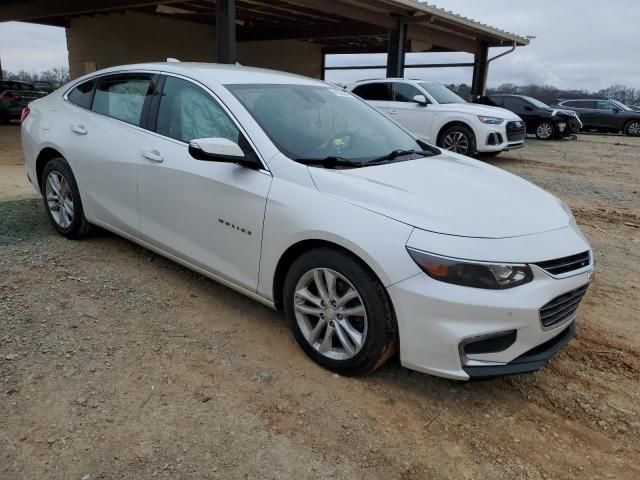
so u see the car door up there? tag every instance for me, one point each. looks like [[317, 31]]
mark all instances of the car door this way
[[416, 118], [586, 110], [608, 115], [101, 134], [208, 213], [519, 107]]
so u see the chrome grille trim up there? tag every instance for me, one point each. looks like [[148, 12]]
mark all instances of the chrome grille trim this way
[[566, 264], [562, 307]]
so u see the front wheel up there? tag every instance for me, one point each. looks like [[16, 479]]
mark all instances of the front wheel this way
[[339, 312], [62, 199], [545, 131], [633, 128], [458, 139]]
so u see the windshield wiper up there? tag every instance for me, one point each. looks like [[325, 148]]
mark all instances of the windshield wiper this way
[[401, 153], [329, 162]]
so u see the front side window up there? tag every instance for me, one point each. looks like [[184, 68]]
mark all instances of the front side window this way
[[604, 105], [442, 94], [374, 91], [514, 104], [404, 92], [188, 112], [82, 94], [123, 96], [314, 122]]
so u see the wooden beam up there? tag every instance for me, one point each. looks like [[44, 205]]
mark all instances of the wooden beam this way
[[416, 31], [309, 32], [26, 10]]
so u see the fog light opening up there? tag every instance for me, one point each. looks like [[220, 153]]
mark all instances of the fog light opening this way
[[491, 343]]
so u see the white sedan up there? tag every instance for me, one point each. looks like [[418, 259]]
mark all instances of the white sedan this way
[[302, 196]]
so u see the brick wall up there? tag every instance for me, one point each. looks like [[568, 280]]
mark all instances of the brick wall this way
[[101, 41]]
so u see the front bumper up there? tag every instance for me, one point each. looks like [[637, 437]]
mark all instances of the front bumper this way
[[528, 362], [436, 318], [498, 138]]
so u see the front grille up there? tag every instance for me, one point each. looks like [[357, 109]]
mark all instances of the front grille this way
[[563, 307], [516, 131], [566, 264]]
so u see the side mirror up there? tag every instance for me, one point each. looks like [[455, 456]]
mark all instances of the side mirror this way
[[221, 150], [421, 100]]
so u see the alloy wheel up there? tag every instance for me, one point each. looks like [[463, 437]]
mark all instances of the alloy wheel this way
[[634, 129], [456, 142], [330, 313], [544, 130], [59, 200]]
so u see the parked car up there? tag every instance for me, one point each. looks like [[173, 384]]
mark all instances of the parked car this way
[[635, 108], [304, 197], [604, 115], [44, 86], [14, 96], [541, 120], [437, 115]]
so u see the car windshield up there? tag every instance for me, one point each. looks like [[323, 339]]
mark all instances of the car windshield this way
[[536, 103], [317, 122], [441, 94]]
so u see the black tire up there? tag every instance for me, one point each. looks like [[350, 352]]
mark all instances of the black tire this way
[[453, 132], [632, 128], [78, 226], [545, 130], [380, 341]]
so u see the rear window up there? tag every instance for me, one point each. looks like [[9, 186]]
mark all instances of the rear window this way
[[82, 94]]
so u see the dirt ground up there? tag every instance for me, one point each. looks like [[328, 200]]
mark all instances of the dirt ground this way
[[117, 363]]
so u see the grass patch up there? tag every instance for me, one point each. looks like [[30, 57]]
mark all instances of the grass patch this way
[[23, 219]]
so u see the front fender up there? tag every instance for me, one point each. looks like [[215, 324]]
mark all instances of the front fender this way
[[296, 213]]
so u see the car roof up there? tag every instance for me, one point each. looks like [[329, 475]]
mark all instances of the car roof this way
[[220, 73]]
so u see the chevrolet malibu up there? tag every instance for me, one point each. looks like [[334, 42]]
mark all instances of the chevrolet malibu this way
[[303, 197]]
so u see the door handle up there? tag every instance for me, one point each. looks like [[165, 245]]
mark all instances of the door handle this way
[[79, 129], [153, 155], [393, 112]]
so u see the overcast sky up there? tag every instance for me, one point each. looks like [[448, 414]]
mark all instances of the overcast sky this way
[[579, 43]]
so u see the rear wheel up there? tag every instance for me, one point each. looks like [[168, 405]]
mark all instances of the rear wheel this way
[[339, 312], [545, 130], [62, 199], [633, 128], [458, 139]]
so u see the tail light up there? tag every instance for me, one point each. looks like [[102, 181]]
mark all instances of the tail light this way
[[12, 97], [25, 114]]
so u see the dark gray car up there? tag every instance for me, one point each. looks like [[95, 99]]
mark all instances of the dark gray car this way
[[14, 97], [604, 115]]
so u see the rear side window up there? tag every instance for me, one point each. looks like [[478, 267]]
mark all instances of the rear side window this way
[[404, 92], [82, 94], [580, 104], [123, 96], [188, 112], [374, 91]]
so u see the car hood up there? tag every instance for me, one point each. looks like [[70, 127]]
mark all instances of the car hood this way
[[477, 109], [449, 194]]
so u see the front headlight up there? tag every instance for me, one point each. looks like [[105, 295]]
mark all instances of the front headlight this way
[[493, 276], [491, 120]]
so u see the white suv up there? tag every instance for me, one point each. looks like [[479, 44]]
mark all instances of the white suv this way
[[438, 116]]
